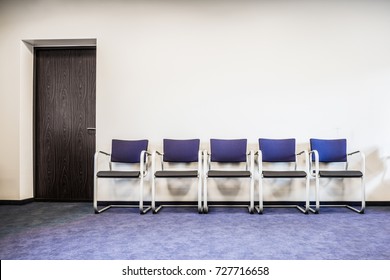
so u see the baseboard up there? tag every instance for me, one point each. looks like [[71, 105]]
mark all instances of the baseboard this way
[[355, 203], [61, 200], [105, 203], [16, 202], [377, 203], [29, 200], [232, 203]]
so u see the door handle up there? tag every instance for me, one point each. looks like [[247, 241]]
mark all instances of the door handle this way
[[91, 130]]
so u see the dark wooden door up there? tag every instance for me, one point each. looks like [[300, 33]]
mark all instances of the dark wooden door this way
[[65, 98]]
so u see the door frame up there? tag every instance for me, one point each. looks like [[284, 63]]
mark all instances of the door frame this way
[[27, 107]]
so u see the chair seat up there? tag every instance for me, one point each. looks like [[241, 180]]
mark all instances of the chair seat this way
[[340, 173], [228, 173], [177, 174], [284, 174], [118, 174]]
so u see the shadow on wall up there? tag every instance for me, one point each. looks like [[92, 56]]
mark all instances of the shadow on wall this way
[[377, 174], [180, 187], [230, 187]]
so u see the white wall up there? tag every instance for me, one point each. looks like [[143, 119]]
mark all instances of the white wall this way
[[212, 69]]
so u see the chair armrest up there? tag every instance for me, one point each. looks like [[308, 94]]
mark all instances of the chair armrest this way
[[104, 153], [206, 163], [307, 163], [200, 162], [154, 155], [355, 152], [260, 161], [316, 162], [96, 158], [251, 161], [362, 158], [144, 155], [143, 162]]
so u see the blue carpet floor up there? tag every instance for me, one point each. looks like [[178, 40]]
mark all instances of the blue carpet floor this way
[[63, 231]]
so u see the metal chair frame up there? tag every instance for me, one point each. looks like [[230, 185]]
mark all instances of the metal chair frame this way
[[179, 171], [305, 209], [249, 166], [142, 173], [315, 172]]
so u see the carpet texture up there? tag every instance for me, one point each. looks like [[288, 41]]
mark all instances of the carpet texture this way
[[71, 231]]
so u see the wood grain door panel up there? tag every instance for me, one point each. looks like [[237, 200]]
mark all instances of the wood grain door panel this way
[[65, 98]]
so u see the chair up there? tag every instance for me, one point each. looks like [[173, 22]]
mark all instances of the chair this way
[[334, 151], [129, 152], [225, 153], [176, 153], [282, 151]]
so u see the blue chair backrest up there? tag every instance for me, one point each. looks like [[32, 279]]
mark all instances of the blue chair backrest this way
[[330, 150], [127, 151], [181, 150], [228, 150], [277, 150]]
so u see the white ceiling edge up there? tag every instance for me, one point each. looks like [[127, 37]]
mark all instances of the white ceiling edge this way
[[86, 42]]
